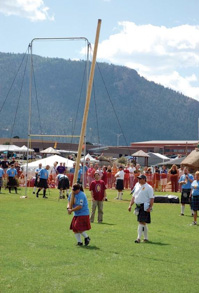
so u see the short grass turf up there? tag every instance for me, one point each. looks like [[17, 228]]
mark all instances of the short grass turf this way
[[39, 252]]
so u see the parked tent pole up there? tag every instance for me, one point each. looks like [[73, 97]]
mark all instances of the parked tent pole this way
[[86, 109]]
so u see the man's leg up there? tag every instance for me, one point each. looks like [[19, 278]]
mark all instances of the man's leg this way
[[94, 205], [100, 211]]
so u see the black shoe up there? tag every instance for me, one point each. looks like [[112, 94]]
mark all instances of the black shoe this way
[[87, 241], [106, 199], [63, 197], [45, 197], [33, 192], [79, 243], [60, 197]]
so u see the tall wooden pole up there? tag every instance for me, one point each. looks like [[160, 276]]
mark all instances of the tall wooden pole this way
[[86, 109]]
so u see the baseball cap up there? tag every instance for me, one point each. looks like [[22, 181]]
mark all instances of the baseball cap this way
[[142, 177]]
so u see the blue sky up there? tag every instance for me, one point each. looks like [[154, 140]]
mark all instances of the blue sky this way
[[159, 39]]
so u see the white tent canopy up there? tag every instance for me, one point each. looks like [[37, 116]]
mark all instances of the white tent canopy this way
[[9, 148], [89, 158], [46, 161], [50, 150], [25, 149]]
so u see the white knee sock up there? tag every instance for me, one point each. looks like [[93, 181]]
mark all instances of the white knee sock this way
[[84, 234], [140, 230], [78, 237], [182, 209], [145, 232], [121, 194]]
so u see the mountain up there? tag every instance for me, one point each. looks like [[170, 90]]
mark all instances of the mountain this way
[[122, 102]]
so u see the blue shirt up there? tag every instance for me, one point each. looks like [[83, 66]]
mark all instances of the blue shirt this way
[[80, 200], [72, 170], [11, 172], [43, 174], [195, 188], [188, 184], [80, 172], [1, 172]]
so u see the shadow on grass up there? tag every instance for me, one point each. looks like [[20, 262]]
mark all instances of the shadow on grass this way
[[155, 243], [91, 247]]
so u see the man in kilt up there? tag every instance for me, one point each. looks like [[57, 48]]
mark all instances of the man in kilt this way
[[37, 177], [185, 181], [81, 221], [63, 184], [43, 181], [12, 182], [119, 182], [143, 197], [195, 197], [1, 176]]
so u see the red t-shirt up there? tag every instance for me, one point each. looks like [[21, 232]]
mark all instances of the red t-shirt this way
[[98, 188]]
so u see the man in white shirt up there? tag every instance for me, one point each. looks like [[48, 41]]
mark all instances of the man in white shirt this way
[[143, 197]]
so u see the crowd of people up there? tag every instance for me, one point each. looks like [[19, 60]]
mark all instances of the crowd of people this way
[[141, 182]]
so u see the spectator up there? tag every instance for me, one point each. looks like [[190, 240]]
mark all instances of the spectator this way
[[174, 178], [98, 194]]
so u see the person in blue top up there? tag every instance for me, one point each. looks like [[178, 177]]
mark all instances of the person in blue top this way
[[1, 176], [43, 181], [12, 173], [63, 184], [185, 181], [36, 177], [81, 220], [195, 197]]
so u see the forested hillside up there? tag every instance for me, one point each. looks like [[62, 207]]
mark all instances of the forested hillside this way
[[122, 102]]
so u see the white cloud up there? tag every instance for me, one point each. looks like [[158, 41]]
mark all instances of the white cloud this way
[[164, 55], [35, 10]]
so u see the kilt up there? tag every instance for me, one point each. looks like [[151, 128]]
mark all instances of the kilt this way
[[143, 216], [185, 199], [63, 184], [120, 184], [195, 203], [12, 182], [43, 183], [80, 224], [1, 182]]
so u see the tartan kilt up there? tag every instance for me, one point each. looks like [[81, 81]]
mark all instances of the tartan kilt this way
[[42, 183], [12, 182], [80, 223], [195, 203], [63, 184], [120, 184], [143, 216], [185, 199]]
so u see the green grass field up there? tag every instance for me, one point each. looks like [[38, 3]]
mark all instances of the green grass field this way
[[39, 252]]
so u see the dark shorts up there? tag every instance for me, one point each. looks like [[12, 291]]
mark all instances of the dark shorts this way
[[143, 216], [12, 182], [185, 199], [1, 182], [80, 224], [120, 184], [63, 184], [43, 183], [195, 203]]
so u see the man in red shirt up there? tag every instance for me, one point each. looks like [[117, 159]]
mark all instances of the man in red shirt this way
[[98, 194]]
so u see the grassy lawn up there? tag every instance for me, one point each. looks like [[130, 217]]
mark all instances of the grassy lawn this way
[[38, 251]]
